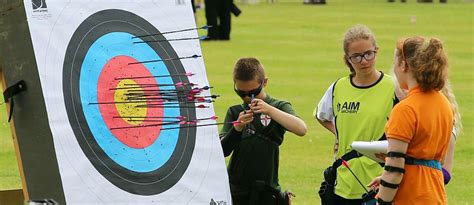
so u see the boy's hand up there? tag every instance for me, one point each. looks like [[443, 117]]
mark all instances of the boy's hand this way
[[260, 106], [245, 117]]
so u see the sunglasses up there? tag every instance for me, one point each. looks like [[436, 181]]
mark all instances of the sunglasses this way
[[368, 55], [250, 93]]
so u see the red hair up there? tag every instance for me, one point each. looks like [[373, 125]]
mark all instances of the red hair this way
[[427, 60]]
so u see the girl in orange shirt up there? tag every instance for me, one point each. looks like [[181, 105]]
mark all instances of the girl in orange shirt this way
[[419, 127]]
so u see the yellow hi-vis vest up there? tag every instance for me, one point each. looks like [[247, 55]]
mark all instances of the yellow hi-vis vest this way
[[360, 115]]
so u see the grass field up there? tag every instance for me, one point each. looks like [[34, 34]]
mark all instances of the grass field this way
[[300, 46]]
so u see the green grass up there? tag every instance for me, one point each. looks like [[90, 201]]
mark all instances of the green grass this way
[[300, 46], [9, 174]]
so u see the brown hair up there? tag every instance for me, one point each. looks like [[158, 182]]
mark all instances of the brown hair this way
[[427, 60], [356, 33], [246, 69]]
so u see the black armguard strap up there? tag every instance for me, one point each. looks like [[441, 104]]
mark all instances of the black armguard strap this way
[[394, 169], [388, 185], [396, 154]]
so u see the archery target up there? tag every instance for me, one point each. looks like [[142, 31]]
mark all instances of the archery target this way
[[86, 57], [102, 53]]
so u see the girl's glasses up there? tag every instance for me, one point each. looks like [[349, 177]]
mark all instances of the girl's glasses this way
[[368, 55]]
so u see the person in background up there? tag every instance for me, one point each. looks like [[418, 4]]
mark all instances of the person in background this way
[[314, 1], [219, 18], [193, 4]]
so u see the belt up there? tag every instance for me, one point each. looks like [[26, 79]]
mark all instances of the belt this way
[[435, 164]]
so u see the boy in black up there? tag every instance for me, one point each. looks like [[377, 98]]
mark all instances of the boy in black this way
[[254, 141]]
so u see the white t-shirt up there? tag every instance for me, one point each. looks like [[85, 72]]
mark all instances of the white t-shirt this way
[[324, 111]]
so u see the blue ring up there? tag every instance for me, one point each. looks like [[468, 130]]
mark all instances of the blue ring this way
[[138, 160]]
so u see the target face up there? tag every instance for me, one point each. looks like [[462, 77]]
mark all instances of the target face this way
[[99, 61]]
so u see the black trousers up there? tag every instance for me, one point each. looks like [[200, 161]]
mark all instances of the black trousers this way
[[218, 16], [342, 201], [261, 199]]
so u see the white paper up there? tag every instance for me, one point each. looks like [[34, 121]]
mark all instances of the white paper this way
[[375, 150]]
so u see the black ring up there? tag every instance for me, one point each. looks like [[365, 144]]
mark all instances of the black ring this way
[[141, 183]]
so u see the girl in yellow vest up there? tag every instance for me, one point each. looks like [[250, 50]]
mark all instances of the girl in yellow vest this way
[[356, 108], [419, 128]]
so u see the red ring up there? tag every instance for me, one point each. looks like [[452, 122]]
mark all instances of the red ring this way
[[118, 67]]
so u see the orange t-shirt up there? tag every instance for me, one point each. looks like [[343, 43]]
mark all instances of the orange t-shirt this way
[[424, 120]]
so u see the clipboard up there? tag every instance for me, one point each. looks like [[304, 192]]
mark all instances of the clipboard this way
[[374, 150]]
